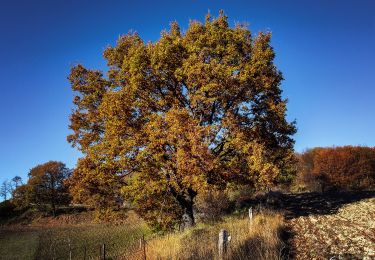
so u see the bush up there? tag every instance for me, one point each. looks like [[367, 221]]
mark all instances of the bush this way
[[213, 204], [7, 209]]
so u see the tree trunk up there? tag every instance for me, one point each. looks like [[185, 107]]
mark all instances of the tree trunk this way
[[186, 202], [53, 208], [188, 219]]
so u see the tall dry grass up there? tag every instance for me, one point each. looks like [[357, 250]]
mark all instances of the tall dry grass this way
[[260, 239]]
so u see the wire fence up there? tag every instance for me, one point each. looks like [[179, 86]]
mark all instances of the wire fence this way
[[78, 242], [94, 243], [128, 241]]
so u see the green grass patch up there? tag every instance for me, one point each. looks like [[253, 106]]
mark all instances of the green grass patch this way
[[58, 241], [18, 244]]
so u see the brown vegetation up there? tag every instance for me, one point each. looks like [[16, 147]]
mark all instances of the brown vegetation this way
[[336, 168]]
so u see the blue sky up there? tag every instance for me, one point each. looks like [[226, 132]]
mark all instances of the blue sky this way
[[324, 48]]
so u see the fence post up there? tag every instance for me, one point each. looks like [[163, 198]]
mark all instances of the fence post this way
[[250, 214], [84, 252], [103, 246], [70, 250], [144, 246], [223, 243]]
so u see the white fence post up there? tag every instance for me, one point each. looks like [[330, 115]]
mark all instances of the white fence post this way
[[223, 243], [250, 214]]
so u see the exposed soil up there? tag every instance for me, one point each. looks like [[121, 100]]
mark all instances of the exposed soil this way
[[331, 226]]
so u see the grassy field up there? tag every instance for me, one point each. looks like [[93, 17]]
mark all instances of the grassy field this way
[[260, 239], [18, 244], [56, 242], [321, 226]]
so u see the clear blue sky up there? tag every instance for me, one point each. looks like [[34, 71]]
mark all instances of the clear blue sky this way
[[326, 50]]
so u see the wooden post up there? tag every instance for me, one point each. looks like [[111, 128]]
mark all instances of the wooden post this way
[[144, 247], [250, 214], [70, 251], [54, 253], [84, 253], [103, 246], [223, 243]]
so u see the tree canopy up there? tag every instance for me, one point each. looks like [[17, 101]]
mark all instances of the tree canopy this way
[[172, 118], [45, 186]]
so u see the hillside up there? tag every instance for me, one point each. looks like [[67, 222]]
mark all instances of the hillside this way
[[299, 226]]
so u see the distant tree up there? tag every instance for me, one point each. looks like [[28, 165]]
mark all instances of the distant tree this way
[[46, 185], [5, 189], [16, 181], [173, 118], [22, 196], [305, 179]]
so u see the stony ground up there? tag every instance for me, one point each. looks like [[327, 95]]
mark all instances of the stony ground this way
[[341, 226]]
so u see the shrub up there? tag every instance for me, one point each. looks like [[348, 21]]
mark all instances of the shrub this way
[[213, 204], [7, 209]]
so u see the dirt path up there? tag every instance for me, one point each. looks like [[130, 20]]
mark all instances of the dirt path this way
[[331, 226]]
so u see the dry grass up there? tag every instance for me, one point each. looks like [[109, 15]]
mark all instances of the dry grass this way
[[257, 240]]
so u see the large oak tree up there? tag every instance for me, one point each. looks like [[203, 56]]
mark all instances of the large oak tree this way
[[174, 117]]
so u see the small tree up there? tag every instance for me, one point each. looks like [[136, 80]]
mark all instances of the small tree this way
[[16, 181], [46, 185], [5, 189]]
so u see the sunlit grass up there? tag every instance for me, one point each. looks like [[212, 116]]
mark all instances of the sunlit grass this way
[[259, 239]]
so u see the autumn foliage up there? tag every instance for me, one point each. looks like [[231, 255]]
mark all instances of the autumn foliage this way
[[193, 111], [45, 187], [339, 168]]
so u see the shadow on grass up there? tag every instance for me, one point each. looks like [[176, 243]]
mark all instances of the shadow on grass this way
[[305, 204], [296, 205]]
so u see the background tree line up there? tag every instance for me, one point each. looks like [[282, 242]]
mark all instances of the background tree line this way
[[336, 168], [318, 169], [45, 188]]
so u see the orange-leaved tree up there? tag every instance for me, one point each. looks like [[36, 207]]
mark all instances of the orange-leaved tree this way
[[174, 117], [45, 187]]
